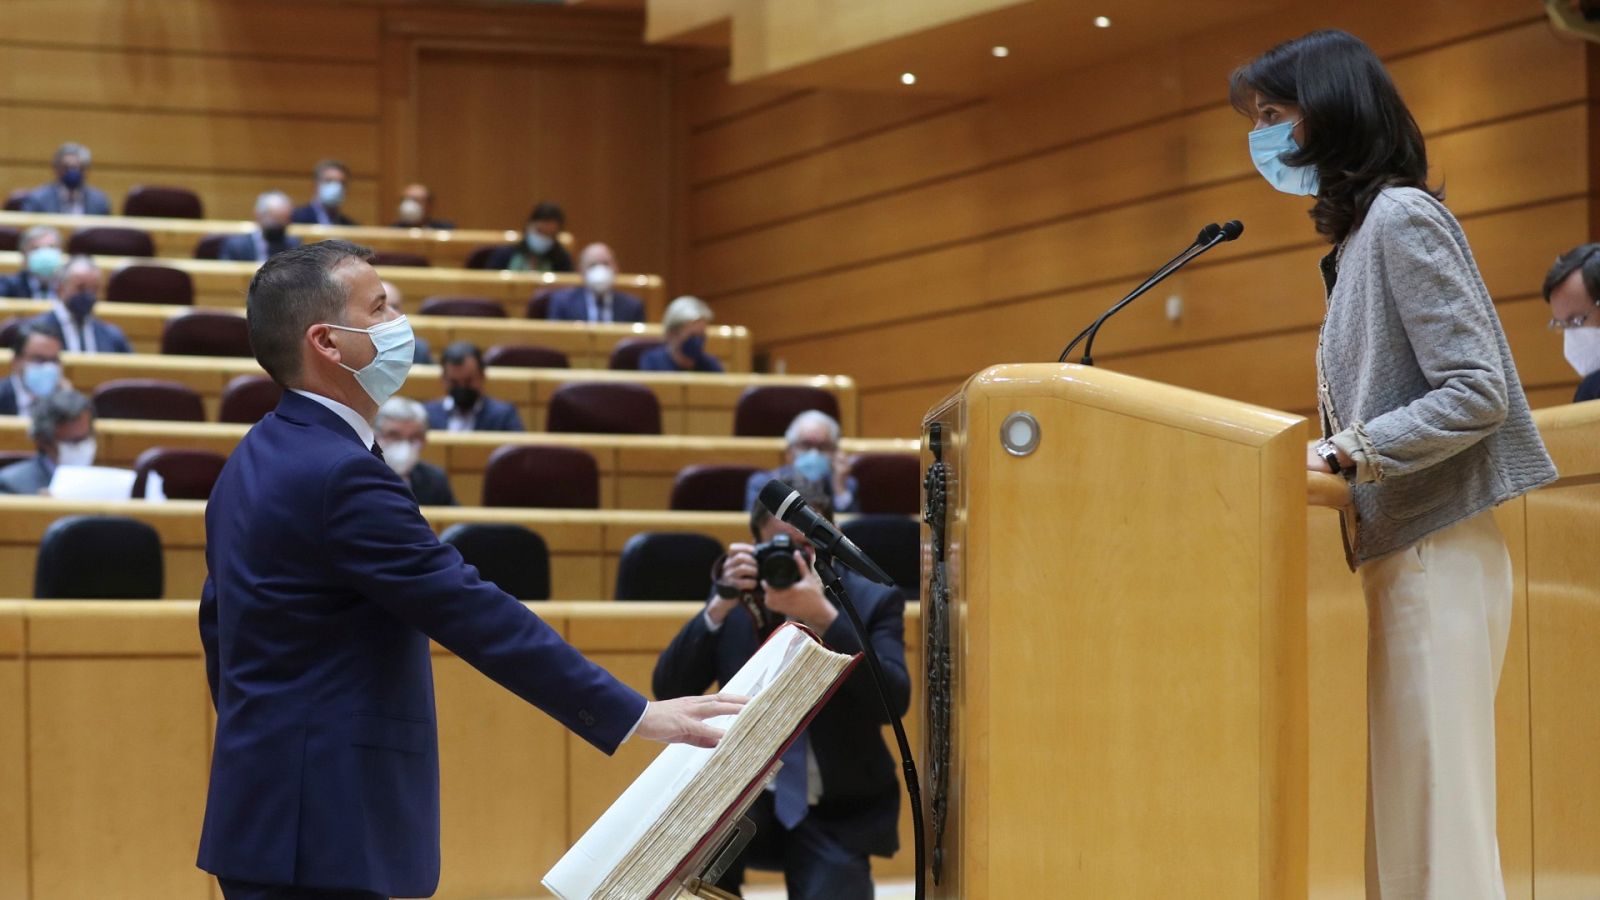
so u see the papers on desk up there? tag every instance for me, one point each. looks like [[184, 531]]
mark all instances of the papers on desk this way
[[101, 483]]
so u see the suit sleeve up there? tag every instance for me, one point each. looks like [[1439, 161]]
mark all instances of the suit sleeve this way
[[1588, 388], [381, 547], [886, 628], [689, 664], [208, 634], [119, 341]]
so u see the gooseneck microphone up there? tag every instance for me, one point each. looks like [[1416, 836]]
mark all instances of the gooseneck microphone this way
[[1209, 237], [784, 502]]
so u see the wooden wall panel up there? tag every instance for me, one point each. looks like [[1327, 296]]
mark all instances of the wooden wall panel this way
[[300, 30]]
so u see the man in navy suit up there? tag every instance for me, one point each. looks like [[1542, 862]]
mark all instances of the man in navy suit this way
[[35, 368], [327, 207], [78, 290], [465, 408], [271, 235], [324, 585], [596, 300], [837, 799], [41, 260], [68, 193]]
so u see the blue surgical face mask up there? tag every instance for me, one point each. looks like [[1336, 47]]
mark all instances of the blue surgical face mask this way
[[330, 193], [41, 378], [72, 179], [396, 346], [539, 242], [694, 346], [1268, 147], [44, 262], [80, 305], [813, 465]]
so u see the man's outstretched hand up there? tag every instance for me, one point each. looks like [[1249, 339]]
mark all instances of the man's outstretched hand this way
[[683, 721]]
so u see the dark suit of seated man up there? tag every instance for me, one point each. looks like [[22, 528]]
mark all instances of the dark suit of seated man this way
[[73, 316], [271, 236], [596, 300], [840, 801], [41, 260], [62, 428], [465, 408], [68, 193], [324, 586], [402, 427]]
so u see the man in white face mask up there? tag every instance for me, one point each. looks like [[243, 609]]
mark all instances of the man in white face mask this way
[[416, 209], [597, 299], [324, 585], [1571, 288], [62, 428], [327, 204], [402, 434]]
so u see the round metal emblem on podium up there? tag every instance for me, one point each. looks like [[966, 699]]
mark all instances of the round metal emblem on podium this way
[[1019, 434]]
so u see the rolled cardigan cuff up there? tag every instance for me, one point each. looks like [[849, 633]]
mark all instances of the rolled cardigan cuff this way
[[1355, 444]]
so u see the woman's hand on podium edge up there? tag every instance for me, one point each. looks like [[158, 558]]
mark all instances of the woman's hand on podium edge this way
[[1327, 490], [683, 720]]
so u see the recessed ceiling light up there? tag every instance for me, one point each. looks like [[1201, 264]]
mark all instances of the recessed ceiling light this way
[[1001, 51], [907, 78], [1102, 22]]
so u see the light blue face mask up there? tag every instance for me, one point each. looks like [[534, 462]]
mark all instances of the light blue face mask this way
[[41, 378], [539, 242], [44, 262], [396, 346], [1268, 147], [813, 465], [330, 193]]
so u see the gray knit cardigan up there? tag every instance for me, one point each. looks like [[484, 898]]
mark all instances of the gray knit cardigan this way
[[1415, 375]]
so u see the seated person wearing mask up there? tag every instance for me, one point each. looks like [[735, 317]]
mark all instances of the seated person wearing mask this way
[[271, 235], [327, 207], [41, 260], [1572, 288], [423, 354], [836, 800], [595, 300], [78, 287], [465, 408], [540, 250], [62, 428], [68, 193], [685, 346], [35, 368], [416, 209], [402, 427], [812, 458]]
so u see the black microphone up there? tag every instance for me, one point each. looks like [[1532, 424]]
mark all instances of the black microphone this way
[[785, 503], [1210, 236]]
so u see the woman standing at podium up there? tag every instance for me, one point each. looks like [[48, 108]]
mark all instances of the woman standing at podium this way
[[1423, 412]]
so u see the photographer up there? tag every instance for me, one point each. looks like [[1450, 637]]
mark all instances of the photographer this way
[[837, 798]]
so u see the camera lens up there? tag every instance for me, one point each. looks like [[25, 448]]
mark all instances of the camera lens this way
[[775, 561]]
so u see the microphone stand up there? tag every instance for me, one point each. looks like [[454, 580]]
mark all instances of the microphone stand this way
[[1186, 256], [835, 588]]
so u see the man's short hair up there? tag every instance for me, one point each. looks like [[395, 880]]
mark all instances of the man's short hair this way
[[683, 312], [402, 409], [809, 417], [812, 494], [51, 412], [34, 233], [1585, 258], [74, 263], [324, 165], [71, 148], [291, 292], [459, 352], [46, 327], [545, 211], [267, 198]]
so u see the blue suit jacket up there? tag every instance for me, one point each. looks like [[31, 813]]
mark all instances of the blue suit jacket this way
[[324, 586], [492, 415], [1588, 388], [51, 198], [572, 305], [108, 338], [23, 284], [860, 803]]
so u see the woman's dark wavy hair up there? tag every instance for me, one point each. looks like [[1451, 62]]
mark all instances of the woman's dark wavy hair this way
[[1358, 132]]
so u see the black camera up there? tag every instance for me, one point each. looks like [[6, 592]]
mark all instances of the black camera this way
[[775, 562]]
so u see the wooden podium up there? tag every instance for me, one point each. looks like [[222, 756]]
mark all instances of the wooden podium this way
[[1114, 641]]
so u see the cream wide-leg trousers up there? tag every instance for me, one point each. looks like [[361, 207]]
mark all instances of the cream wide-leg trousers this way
[[1438, 614]]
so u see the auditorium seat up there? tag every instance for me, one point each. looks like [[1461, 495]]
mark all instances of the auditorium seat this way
[[511, 557], [462, 306], [396, 258], [247, 398], [210, 246], [539, 304], [888, 483], [99, 558], [16, 200], [527, 356], [10, 237], [711, 488], [625, 355], [479, 257], [105, 241], [603, 407], [148, 398], [163, 202], [666, 566], [766, 411], [894, 543], [185, 474], [205, 333], [542, 477], [138, 283]]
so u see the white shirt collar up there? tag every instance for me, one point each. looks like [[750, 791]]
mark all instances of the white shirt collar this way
[[360, 426]]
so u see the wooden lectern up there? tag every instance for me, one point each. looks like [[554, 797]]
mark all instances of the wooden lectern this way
[[1114, 641]]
